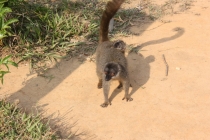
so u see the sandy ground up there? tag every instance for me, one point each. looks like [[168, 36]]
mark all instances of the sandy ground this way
[[173, 107]]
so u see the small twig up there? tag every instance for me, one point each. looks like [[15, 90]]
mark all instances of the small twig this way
[[166, 65]]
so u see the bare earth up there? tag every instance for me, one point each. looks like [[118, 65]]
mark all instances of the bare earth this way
[[173, 107]]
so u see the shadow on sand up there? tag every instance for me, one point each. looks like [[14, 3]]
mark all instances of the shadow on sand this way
[[139, 67], [36, 88]]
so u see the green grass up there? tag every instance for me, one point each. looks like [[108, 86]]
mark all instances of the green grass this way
[[16, 124], [5, 62], [48, 31]]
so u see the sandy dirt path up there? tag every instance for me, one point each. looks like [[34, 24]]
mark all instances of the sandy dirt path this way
[[173, 107]]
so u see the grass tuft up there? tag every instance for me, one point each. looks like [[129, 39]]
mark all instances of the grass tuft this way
[[50, 32], [16, 124]]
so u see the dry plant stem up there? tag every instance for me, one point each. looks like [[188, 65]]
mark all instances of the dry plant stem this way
[[165, 64]]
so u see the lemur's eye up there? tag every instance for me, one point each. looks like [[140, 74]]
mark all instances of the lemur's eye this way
[[112, 74], [105, 72]]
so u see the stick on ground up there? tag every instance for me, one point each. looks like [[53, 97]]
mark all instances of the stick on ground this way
[[165, 64]]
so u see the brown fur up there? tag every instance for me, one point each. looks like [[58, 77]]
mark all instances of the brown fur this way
[[110, 56], [111, 9]]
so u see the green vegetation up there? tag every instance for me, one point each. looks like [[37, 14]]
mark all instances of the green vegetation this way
[[4, 23], [44, 31], [4, 26], [15, 124], [49, 31], [6, 61]]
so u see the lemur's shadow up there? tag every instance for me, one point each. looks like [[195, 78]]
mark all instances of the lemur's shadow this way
[[139, 73], [139, 67]]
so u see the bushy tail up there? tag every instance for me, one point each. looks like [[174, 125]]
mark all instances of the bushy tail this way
[[111, 9]]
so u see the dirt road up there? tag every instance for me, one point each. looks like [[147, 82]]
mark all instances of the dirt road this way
[[173, 107]]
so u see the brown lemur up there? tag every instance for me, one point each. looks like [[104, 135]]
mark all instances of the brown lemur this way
[[111, 63]]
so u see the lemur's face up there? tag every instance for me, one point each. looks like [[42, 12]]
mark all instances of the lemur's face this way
[[110, 71]]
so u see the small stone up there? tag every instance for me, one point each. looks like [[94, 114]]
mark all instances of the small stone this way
[[178, 68]]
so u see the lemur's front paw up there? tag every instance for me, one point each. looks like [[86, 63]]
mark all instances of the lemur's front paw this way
[[105, 104], [127, 99]]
